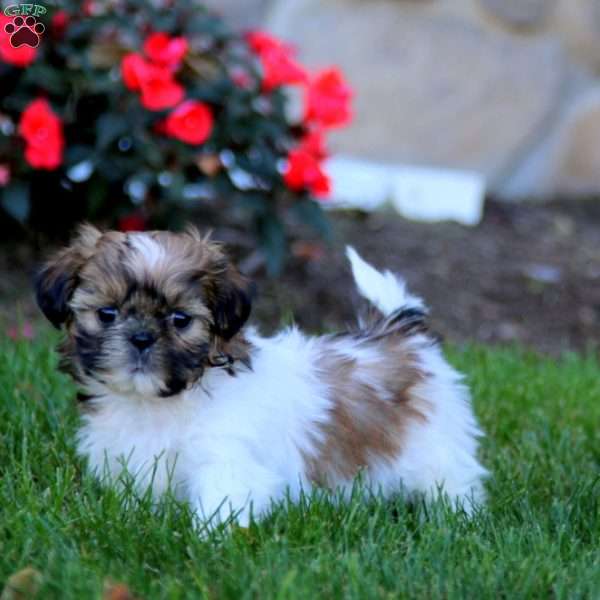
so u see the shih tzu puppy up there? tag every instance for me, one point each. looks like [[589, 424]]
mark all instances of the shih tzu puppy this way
[[176, 391]]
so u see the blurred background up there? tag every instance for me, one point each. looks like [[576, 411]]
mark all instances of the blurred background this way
[[503, 92]]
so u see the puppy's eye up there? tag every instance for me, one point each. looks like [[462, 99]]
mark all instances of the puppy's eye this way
[[180, 319], [107, 314]]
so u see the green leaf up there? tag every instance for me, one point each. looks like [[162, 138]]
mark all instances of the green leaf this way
[[96, 196], [53, 79], [16, 202], [109, 127], [311, 213], [273, 242], [78, 153]]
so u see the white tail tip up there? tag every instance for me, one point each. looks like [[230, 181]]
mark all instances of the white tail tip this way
[[384, 290]]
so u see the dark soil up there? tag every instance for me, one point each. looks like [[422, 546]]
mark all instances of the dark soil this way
[[527, 273]]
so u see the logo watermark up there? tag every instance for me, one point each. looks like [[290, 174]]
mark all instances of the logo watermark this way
[[24, 29]]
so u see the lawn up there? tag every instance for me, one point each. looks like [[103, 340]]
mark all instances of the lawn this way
[[539, 536]]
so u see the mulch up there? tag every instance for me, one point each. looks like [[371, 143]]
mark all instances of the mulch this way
[[528, 274]]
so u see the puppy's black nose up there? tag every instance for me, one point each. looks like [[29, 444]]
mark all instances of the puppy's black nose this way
[[142, 340]]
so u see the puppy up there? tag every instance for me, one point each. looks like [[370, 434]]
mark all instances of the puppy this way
[[179, 393]]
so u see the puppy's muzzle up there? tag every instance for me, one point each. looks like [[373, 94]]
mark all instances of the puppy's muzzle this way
[[142, 340]]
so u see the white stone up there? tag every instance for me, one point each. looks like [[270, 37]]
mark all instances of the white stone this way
[[358, 184], [417, 193], [439, 195]]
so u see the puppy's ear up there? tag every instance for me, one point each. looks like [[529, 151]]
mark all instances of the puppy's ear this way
[[56, 281], [229, 297]]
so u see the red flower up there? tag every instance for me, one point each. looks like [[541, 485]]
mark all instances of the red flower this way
[[92, 8], [132, 67], [165, 50], [19, 57], [38, 124], [44, 157], [59, 23], [261, 41], [303, 171], [42, 130], [25, 332], [132, 222], [277, 59], [4, 175], [192, 122], [159, 89], [314, 144], [328, 99], [281, 69]]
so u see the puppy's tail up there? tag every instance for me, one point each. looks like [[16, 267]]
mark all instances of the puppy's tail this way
[[386, 291]]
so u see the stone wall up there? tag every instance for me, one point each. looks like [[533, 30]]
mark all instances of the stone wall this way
[[507, 88]]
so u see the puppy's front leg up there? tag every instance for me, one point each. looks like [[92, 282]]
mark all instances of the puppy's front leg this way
[[218, 499], [232, 489]]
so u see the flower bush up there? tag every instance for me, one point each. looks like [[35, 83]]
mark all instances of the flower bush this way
[[138, 114]]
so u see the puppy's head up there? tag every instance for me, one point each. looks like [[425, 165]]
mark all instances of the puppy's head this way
[[144, 313]]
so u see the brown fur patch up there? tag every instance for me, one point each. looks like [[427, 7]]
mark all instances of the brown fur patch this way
[[373, 402], [57, 280]]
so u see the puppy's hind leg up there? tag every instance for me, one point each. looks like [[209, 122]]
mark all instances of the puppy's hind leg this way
[[439, 449]]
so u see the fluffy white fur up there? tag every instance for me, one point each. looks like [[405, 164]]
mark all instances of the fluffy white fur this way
[[236, 443]]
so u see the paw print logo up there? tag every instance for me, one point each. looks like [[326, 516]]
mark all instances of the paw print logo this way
[[24, 32]]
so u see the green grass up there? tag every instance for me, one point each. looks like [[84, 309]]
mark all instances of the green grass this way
[[538, 538]]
